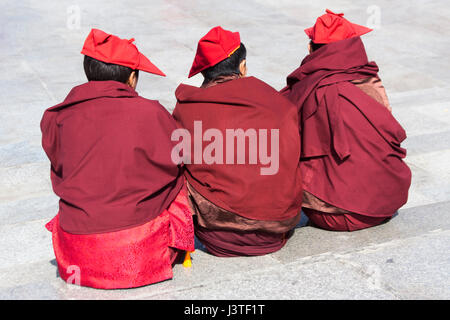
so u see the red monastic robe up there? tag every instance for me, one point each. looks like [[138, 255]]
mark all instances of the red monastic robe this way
[[111, 166], [241, 189], [351, 155]]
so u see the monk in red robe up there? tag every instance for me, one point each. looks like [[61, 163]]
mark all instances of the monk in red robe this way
[[243, 172], [354, 176], [123, 211]]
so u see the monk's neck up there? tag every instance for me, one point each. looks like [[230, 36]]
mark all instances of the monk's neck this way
[[220, 79]]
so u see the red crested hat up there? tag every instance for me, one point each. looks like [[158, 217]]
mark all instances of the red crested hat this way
[[111, 49], [217, 45], [332, 27]]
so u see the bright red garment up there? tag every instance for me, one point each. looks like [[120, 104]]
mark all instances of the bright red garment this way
[[245, 103], [351, 154], [111, 49], [110, 154], [128, 258], [332, 27], [217, 45]]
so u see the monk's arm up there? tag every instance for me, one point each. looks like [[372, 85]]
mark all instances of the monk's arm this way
[[378, 85], [374, 88], [51, 143]]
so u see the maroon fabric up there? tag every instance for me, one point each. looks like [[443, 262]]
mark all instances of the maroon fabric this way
[[110, 154], [342, 222], [240, 188], [232, 243], [351, 154]]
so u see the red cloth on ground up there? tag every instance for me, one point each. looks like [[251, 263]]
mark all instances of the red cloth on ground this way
[[351, 155], [246, 103], [110, 154], [341, 221], [128, 258]]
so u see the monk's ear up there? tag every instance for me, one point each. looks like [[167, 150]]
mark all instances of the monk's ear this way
[[309, 47], [132, 80], [243, 68]]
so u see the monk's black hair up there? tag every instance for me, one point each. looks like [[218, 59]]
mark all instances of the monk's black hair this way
[[97, 70], [226, 67], [316, 46]]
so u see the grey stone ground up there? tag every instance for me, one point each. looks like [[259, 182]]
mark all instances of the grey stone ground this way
[[407, 258]]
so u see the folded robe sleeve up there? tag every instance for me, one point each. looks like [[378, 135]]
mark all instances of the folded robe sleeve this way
[[51, 144]]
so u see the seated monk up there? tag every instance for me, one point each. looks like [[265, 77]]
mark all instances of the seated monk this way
[[124, 215], [354, 176], [245, 206]]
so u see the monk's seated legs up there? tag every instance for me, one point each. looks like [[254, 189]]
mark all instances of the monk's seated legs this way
[[232, 243], [342, 221]]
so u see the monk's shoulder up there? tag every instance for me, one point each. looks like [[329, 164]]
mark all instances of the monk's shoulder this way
[[264, 88], [184, 90], [271, 95], [149, 105], [150, 112], [260, 84]]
